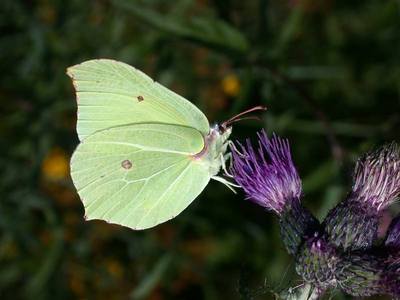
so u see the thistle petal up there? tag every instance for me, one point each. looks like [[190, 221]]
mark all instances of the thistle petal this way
[[267, 174], [377, 177]]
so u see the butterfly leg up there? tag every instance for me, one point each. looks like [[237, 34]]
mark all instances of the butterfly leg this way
[[227, 183], [224, 159], [234, 148]]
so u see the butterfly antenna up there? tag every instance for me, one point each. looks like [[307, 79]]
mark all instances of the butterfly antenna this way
[[238, 116], [246, 118]]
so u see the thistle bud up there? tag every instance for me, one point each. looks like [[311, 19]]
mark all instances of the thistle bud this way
[[393, 234], [392, 276], [360, 274], [353, 223], [316, 261], [363, 273]]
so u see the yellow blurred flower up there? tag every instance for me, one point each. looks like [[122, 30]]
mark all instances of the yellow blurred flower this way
[[115, 268], [231, 85], [55, 166]]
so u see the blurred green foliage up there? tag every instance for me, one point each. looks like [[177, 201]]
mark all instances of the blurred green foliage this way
[[329, 72]]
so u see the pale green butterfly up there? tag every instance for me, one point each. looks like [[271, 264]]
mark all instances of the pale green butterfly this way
[[146, 153]]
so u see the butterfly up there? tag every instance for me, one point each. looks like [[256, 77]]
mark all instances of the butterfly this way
[[145, 152]]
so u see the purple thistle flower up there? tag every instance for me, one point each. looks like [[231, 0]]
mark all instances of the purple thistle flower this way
[[267, 174], [269, 178], [377, 177]]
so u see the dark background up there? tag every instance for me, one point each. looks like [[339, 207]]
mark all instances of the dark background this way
[[328, 71]]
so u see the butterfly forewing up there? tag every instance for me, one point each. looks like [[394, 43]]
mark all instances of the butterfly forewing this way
[[112, 93], [139, 175]]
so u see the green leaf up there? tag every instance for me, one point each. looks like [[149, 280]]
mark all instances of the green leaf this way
[[152, 279], [202, 29]]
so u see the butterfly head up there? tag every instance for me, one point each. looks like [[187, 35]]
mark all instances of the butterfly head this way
[[214, 154]]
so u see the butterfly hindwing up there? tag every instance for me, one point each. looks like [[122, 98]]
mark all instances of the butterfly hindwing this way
[[139, 175], [112, 93]]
